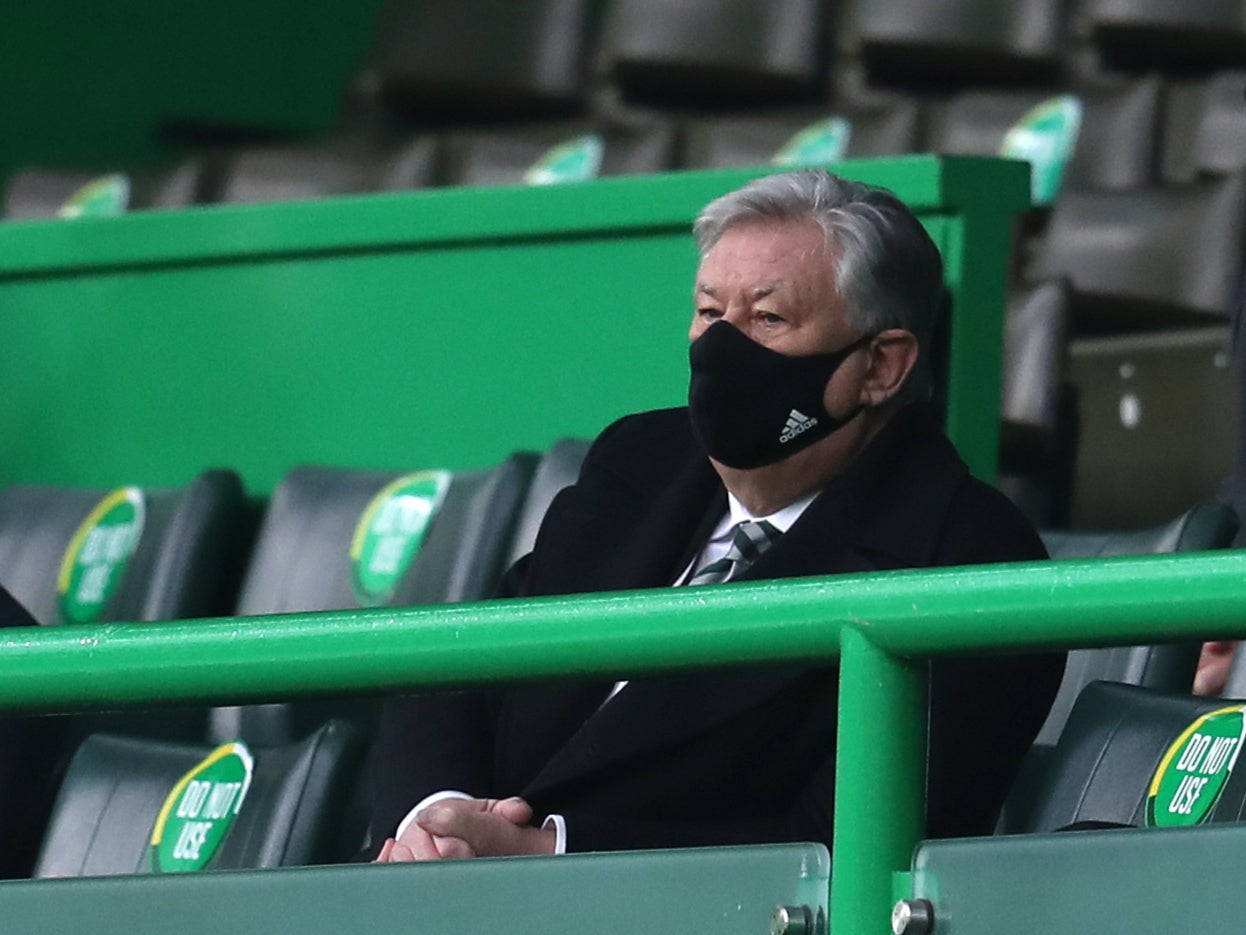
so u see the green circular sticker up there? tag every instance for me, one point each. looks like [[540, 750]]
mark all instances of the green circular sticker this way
[[200, 810], [1045, 136], [1196, 767], [390, 532], [98, 554], [576, 160], [103, 197], [817, 144]]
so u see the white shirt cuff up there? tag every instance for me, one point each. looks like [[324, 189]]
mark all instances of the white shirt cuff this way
[[425, 803], [559, 824]]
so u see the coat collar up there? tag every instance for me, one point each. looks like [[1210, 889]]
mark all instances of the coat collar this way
[[886, 510]]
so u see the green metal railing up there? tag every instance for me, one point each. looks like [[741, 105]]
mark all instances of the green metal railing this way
[[877, 624]]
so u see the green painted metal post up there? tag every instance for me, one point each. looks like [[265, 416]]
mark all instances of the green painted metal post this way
[[880, 781], [976, 258]]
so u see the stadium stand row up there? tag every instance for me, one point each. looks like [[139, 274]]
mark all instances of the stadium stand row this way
[[335, 539], [330, 539], [1131, 134]]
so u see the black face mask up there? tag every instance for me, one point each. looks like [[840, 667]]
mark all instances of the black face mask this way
[[751, 406]]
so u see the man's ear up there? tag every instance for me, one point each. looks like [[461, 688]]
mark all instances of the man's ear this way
[[893, 355]]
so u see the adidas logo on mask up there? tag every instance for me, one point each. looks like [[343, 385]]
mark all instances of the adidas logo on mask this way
[[797, 422]]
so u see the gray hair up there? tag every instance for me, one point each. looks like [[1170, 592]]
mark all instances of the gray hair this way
[[888, 271]]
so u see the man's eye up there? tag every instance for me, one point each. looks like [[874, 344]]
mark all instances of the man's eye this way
[[709, 313], [770, 318]]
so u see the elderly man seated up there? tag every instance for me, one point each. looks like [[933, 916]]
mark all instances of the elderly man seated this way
[[806, 448]]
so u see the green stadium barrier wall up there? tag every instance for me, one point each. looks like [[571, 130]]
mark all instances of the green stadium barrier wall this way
[[729, 891], [446, 328], [879, 626], [1105, 882], [451, 328]]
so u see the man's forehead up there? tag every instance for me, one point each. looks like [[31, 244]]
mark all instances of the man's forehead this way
[[765, 258], [772, 241]]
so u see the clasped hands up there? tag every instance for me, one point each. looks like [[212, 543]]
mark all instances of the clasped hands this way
[[457, 828]]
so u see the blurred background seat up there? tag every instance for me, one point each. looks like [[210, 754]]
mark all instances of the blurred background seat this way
[[1171, 34], [1157, 257], [1116, 137], [959, 42], [337, 167], [46, 193], [1204, 132], [1038, 428], [459, 60], [715, 53], [542, 154], [800, 137]]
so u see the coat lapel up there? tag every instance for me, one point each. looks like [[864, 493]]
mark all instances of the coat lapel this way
[[884, 512], [654, 713]]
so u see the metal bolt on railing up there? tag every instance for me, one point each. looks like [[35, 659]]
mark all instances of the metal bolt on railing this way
[[912, 917], [796, 920]]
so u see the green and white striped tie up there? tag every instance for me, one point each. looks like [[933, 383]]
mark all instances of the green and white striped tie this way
[[751, 538]]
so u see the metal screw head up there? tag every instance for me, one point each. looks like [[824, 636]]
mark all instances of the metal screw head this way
[[791, 920], [912, 917]]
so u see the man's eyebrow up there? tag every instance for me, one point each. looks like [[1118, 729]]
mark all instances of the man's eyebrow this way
[[759, 293]]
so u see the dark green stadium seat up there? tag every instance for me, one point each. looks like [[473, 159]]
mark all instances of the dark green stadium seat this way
[[188, 535], [183, 565], [1035, 334], [556, 152], [106, 810], [42, 193], [303, 561], [1168, 34], [1157, 257], [1116, 142], [1101, 768], [755, 140], [1203, 127], [717, 53], [464, 59], [1038, 431], [1169, 667], [559, 467], [961, 42], [338, 167]]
